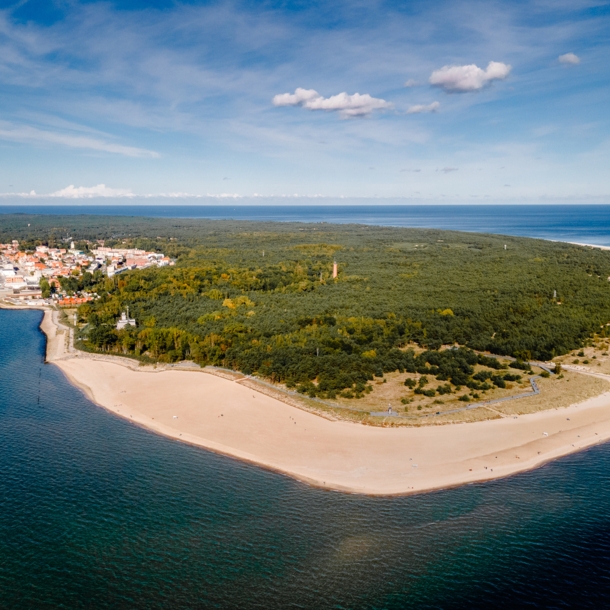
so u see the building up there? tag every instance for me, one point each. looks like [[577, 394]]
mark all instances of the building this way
[[8, 270], [118, 260], [125, 321], [73, 301], [16, 282]]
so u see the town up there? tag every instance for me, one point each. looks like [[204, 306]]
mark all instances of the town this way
[[35, 275]]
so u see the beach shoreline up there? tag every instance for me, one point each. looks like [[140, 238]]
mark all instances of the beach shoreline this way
[[226, 417]]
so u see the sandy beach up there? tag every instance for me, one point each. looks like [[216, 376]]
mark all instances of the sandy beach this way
[[227, 417]]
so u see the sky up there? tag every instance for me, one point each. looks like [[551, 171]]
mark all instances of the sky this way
[[298, 101]]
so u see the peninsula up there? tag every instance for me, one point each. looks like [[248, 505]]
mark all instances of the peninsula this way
[[228, 417], [365, 359]]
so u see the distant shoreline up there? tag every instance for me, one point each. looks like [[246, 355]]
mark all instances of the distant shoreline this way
[[574, 243], [210, 201], [227, 417]]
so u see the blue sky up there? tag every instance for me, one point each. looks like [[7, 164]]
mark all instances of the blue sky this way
[[220, 99]]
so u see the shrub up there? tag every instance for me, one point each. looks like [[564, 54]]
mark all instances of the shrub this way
[[498, 381], [482, 375]]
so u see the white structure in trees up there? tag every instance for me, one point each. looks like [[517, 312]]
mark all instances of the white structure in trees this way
[[125, 321]]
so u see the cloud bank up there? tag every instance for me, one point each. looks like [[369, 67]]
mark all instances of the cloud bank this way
[[419, 108], [101, 190], [468, 78], [89, 192], [355, 105], [569, 59]]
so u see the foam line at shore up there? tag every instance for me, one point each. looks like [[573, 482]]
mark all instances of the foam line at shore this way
[[224, 416]]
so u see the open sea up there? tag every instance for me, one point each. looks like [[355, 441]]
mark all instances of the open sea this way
[[96, 512], [578, 223]]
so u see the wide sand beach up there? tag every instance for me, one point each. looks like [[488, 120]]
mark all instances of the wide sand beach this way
[[227, 417]]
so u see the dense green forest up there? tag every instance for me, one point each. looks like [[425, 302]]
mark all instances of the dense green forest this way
[[259, 297]]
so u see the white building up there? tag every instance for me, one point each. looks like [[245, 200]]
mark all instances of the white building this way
[[8, 271], [16, 283], [125, 321]]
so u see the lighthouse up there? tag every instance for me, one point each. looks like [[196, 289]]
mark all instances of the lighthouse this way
[[335, 270]]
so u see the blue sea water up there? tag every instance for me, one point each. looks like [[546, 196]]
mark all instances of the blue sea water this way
[[96, 512], [577, 223]]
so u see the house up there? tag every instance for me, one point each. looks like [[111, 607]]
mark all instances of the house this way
[[72, 301]]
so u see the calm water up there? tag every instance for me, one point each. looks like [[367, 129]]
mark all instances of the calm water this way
[[98, 513], [579, 223]]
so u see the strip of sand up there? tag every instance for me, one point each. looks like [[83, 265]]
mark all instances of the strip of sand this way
[[222, 415], [576, 243]]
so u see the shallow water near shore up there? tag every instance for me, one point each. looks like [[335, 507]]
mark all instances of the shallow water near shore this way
[[98, 513]]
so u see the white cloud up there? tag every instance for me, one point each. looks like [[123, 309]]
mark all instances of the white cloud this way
[[569, 59], [468, 78], [346, 105], [101, 190], [419, 108], [76, 192], [447, 170], [33, 135], [411, 83], [88, 192], [300, 96]]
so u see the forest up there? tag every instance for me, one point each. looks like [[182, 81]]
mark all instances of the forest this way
[[260, 298]]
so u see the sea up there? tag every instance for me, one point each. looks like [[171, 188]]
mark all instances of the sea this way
[[574, 223], [98, 513]]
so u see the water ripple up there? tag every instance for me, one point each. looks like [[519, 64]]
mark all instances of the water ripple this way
[[98, 513]]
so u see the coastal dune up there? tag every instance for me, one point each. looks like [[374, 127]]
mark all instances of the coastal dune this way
[[224, 416]]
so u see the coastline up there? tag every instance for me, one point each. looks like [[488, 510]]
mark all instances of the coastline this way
[[226, 417], [576, 243]]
